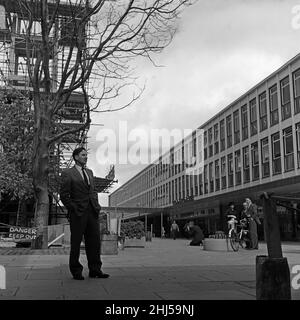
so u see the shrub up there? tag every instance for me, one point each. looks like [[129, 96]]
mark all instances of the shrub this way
[[133, 229]]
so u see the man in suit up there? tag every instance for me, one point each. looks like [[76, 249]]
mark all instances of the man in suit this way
[[253, 221], [81, 200]]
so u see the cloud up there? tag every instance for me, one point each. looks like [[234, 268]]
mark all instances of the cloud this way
[[221, 50]]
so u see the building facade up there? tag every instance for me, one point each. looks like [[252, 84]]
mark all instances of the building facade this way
[[14, 20], [251, 146]]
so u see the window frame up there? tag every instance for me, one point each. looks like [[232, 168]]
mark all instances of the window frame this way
[[230, 169], [222, 135], [244, 121], [289, 163], [253, 119], [272, 101], [236, 126], [246, 167], [296, 77], [254, 161], [265, 162], [285, 105], [229, 131], [263, 117], [276, 159]]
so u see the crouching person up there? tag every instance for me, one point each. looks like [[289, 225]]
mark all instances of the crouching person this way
[[196, 233]]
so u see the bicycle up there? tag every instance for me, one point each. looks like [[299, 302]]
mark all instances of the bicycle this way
[[238, 238]]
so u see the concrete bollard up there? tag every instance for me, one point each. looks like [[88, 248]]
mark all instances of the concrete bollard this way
[[272, 279]]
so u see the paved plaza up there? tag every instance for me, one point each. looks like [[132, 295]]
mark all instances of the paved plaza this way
[[165, 269]]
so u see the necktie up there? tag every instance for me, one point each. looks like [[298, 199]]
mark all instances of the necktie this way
[[84, 176]]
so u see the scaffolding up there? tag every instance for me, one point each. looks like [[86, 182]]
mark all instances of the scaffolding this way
[[14, 74]]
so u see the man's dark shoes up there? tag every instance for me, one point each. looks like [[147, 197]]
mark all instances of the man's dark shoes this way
[[78, 277], [98, 274]]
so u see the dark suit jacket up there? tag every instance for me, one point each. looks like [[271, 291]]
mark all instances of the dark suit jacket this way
[[252, 212], [197, 233], [75, 194]]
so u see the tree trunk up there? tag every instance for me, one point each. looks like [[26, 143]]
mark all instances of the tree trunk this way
[[40, 179], [18, 212]]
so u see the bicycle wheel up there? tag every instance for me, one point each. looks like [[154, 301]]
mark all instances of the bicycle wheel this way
[[234, 241], [243, 243]]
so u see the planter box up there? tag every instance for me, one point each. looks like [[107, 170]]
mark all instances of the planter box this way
[[134, 243], [211, 244], [109, 244]]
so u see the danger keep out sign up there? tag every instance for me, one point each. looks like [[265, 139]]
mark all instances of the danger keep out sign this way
[[22, 233]]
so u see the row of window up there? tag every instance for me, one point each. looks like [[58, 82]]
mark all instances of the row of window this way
[[229, 131], [160, 172], [234, 168], [241, 166]]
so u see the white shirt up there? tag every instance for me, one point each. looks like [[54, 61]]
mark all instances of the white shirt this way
[[79, 168]]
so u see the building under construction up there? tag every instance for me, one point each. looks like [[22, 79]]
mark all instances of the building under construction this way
[[14, 75]]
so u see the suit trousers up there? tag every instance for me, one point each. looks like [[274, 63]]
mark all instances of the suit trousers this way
[[253, 234], [86, 225]]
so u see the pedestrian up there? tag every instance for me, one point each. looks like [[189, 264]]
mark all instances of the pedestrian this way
[[174, 229], [163, 232], [245, 219], [78, 195], [231, 211], [253, 221], [196, 233]]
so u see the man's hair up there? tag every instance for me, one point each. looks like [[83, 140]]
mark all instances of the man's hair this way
[[77, 151]]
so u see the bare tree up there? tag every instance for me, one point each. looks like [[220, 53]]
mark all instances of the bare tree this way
[[71, 44]]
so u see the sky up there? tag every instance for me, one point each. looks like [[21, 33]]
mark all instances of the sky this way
[[221, 49]]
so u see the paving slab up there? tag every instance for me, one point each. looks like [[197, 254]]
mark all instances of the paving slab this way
[[165, 269], [207, 295]]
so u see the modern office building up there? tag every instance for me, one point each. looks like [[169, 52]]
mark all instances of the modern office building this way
[[250, 147]]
